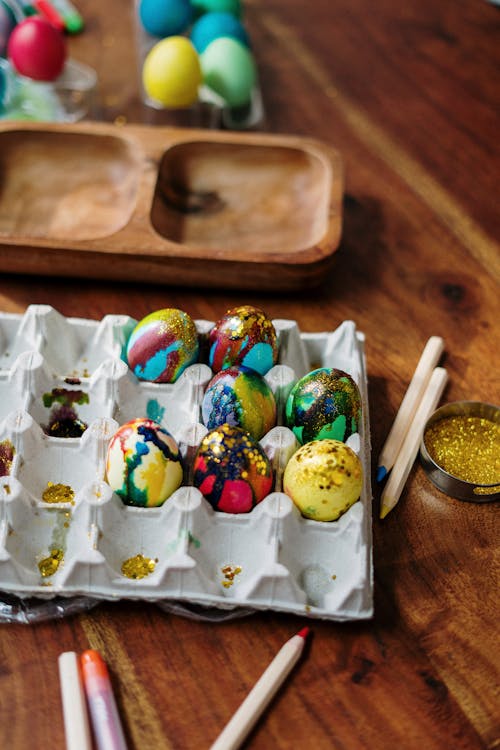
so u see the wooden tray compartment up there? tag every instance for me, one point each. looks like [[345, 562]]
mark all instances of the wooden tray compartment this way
[[158, 204]]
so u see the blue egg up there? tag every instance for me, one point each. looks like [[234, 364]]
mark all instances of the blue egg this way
[[165, 17], [213, 25]]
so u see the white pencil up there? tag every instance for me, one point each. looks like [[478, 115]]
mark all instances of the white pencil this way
[[427, 362], [76, 723], [409, 449], [261, 694]]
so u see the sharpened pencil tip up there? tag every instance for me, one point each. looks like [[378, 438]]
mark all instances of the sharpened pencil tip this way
[[385, 509], [381, 473], [304, 632]]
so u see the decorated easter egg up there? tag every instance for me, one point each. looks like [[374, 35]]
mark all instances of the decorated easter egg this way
[[325, 403], [165, 17], [241, 398], [171, 73], [228, 68], [143, 464], [37, 49], [231, 470], [243, 337], [323, 478], [213, 25], [162, 345], [208, 6]]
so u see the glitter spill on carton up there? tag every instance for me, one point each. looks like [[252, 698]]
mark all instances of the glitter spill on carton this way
[[58, 512]]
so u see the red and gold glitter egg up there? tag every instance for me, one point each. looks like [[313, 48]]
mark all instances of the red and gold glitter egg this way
[[231, 470], [243, 337]]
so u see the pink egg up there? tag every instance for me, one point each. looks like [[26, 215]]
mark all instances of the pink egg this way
[[37, 49]]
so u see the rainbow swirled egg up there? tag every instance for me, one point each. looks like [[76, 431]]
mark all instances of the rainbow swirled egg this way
[[143, 464], [243, 337], [325, 403], [323, 478], [231, 470], [241, 398], [162, 345]]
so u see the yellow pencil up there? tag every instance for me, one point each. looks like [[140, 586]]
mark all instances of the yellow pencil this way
[[427, 362], [409, 449]]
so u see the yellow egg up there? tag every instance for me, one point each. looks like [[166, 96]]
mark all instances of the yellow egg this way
[[323, 478], [171, 73]]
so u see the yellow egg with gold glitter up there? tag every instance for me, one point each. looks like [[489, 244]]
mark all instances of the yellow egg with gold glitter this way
[[323, 478]]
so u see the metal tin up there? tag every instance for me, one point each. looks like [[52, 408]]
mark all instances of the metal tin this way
[[447, 483]]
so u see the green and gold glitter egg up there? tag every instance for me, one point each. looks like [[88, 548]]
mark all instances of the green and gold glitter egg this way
[[324, 404]]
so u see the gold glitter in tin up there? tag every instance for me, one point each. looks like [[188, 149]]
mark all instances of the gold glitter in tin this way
[[138, 567], [466, 447], [49, 565], [58, 493], [229, 572]]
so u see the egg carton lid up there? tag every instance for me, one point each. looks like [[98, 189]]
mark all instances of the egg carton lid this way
[[207, 564]]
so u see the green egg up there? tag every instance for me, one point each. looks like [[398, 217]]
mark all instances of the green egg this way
[[209, 6], [228, 68]]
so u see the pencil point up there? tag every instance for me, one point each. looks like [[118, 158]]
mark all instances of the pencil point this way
[[385, 509], [381, 473], [304, 632]]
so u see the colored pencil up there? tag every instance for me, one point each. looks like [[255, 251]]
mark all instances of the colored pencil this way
[[408, 453], [76, 724], [108, 732], [261, 694], [428, 361]]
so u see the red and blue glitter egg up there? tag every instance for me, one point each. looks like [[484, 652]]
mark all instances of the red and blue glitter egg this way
[[324, 404], [241, 398], [231, 470], [243, 337], [162, 345], [143, 464]]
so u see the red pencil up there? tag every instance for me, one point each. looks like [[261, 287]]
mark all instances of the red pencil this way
[[50, 13]]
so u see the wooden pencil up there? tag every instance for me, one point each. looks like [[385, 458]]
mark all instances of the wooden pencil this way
[[406, 456], [261, 694], [426, 364]]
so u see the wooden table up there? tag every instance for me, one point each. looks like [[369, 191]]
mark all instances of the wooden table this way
[[406, 93]]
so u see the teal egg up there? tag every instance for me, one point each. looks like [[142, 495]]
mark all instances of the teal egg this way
[[228, 68], [212, 25]]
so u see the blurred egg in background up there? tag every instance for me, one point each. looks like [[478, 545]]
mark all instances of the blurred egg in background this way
[[211, 26], [171, 73]]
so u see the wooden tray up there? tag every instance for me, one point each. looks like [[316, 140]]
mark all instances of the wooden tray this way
[[169, 205]]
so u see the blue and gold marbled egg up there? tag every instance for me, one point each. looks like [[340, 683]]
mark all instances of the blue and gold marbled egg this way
[[143, 464], [242, 399], [325, 403], [162, 345], [243, 337]]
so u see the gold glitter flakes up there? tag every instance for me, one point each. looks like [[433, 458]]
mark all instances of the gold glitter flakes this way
[[229, 572], [58, 493], [466, 447], [49, 565], [138, 567]]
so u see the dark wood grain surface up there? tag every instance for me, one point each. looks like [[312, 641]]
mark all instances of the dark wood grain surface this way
[[408, 93]]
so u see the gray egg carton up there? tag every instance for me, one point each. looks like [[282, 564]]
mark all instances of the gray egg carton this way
[[271, 558]]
